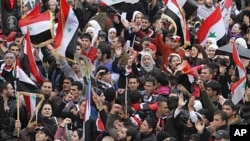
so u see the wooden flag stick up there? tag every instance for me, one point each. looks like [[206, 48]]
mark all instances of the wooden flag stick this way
[[18, 112]]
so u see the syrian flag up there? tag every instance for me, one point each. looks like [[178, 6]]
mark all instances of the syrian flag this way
[[34, 12], [33, 102], [189, 6], [10, 37], [41, 27], [213, 26], [185, 68], [238, 88], [177, 17], [66, 31], [226, 6], [112, 2], [24, 83], [34, 71]]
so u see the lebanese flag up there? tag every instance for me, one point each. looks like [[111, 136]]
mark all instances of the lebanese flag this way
[[66, 30], [41, 27], [177, 15], [238, 88], [112, 2], [33, 102], [212, 26], [34, 71], [226, 6]]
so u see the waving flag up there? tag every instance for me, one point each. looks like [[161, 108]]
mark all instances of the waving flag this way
[[34, 12], [212, 26], [66, 30], [238, 88], [34, 71], [226, 6], [176, 16], [24, 83], [10, 38], [112, 2], [33, 102], [2, 38], [189, 6], [41, 27]]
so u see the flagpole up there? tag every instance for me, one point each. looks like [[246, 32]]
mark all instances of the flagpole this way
[[112, 8], [18, 111], [17, 95], [21, 9], [133, 43], [126, 97]]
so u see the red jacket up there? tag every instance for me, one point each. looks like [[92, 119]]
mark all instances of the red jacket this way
[[165, 50], [90, 53]]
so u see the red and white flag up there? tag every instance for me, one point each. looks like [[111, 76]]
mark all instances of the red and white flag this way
[[212, 26], [10, 37], [2, 38], [238, 88], [24, 83], [34, 12], [34, 71], [33, 102], [66, 29], [41, 27], [226, 6], [182, 30]]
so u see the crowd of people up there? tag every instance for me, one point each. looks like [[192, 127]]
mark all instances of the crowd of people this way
[[147, 84]]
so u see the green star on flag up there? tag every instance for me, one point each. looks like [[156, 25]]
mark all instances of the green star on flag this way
[[30, 28], [69, 29], [212, 35]]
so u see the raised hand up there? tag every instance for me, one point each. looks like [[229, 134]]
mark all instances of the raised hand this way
[[191, 103], [181, 101], [199, 125]]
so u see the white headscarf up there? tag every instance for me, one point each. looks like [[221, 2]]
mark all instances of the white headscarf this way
[[95, 34], [95, 25], [110, 30], [242, 42], [213, 40], [135, 13], [148, 68]]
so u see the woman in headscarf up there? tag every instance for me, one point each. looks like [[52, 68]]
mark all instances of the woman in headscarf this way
[[94, 35], [94, 24], [111, 34], [241, 42], [210, 41], [137, 16], [147, 66]]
